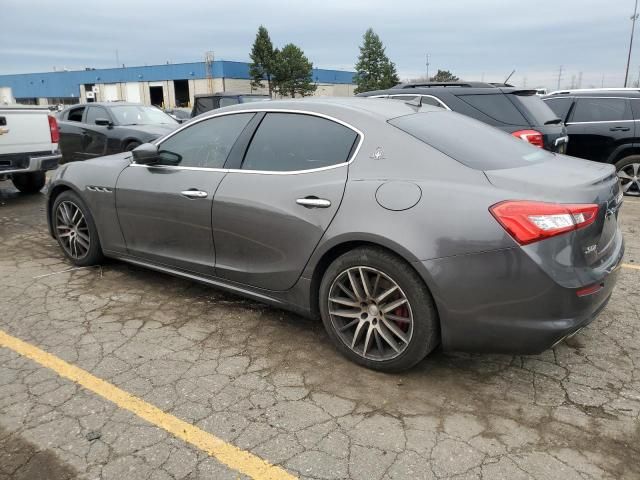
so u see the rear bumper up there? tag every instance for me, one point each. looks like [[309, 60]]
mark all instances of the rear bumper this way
[[35, 162], [503, 302]]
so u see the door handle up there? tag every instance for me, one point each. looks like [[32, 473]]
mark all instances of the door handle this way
[[313, 202], [619, 129], [194, 194]]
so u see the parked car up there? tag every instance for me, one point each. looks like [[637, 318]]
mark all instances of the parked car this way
[[206, 102], [602, 126], [371, 214], [95, 129], [180, 115], [516, 111], [28, 146]]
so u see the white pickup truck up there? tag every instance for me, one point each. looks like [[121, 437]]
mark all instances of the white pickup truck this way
[[29, 139]]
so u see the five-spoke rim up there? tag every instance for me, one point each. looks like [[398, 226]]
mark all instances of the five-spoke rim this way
[[72, 230], [370, 313], [629, 176]]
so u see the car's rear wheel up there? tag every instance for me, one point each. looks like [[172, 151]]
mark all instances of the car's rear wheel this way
[[75, 230], [628, 170], [31, 182], [377, 310]]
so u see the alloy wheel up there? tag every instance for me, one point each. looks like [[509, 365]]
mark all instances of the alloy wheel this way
[[629, 176], [370, 313], [72, 230]]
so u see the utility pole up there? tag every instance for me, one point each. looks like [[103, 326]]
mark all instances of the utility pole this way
[[117, 59], [428, 67], [559, 77], [580, 80], [634, 17]]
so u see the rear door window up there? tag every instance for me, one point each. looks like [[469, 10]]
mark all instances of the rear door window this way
[[601, 110], [496, 106], [560, 106], [75, 114], [289, 142], [227, 101], [96, 112], [472, 143]]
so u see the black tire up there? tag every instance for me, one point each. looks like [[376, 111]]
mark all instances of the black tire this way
[[425, 332], [93, 255], [131, 145], [31, 182], [626, 167]]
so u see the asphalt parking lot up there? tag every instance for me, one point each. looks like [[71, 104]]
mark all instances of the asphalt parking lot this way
[[269, 383]]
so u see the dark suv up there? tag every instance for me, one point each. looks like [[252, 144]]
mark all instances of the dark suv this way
[[515, 111], [602, 127], [210, 101]]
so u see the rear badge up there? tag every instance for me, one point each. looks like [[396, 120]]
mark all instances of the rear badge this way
[[590, 249], [378, 154]]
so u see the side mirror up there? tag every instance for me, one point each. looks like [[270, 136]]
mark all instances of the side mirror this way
[[145, 154], [104, 122]]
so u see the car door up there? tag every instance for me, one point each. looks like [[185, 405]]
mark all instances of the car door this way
[[599, 125], [164, 209], [70, 127], [269, 215], [94, 136]]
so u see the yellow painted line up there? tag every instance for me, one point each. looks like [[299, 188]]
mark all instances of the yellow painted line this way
[[634, 267], [230, 455]]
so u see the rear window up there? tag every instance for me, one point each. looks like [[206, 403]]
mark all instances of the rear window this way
[[472, 143], [496, 106], [560, 105], [538, 111]]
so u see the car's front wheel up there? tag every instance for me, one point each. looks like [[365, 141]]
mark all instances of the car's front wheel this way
[[75, 230], [377, 310], [628, 170]]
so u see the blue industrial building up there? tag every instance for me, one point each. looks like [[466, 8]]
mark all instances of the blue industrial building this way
[[72, 86]]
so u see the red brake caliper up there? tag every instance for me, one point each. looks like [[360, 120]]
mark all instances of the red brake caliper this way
[[402, 311]]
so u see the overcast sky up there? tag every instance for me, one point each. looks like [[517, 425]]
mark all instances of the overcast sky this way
[[474, 39]]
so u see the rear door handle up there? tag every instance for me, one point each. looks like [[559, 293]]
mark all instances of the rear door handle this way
[[194, 194], [619, 129], [313, 202]]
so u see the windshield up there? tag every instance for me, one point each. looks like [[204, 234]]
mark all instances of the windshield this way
[[472, 143], [140, 115], [253, 98]]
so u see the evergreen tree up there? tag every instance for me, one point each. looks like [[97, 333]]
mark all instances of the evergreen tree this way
[[444, 76], [374, 70], [292, 72], [262, 60]]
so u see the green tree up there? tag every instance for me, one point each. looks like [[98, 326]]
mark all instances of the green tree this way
[[292, 72], [374, 70], [262, 60], [444, 76]]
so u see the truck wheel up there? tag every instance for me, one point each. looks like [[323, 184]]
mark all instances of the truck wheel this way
[[31, 182], [131, 145]]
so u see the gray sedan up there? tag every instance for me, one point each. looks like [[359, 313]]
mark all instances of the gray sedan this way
[[402, 226]]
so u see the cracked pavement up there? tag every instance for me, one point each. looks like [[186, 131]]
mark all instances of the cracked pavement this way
[[269, 382]]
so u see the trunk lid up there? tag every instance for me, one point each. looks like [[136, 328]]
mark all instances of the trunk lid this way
[[570, 180]]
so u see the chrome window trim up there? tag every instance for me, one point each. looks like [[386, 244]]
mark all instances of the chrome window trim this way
[[444, 105], [161, 140], [603, 121]]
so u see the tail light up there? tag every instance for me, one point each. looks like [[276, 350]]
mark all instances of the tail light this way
[[529, 222], [530, 136], [53, 127]]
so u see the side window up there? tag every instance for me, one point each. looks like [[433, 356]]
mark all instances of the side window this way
[[601, 110], [289, 142], [560, 106], [205, 144], [496, 106], [226, 101], [96, 112], [75, 114]]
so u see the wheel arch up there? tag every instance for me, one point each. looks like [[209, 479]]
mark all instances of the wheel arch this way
[[126, 141], [623, 151], [330, 252], [53, 193]]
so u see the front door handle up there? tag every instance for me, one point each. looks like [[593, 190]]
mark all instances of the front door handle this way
[[619, 129], [313, 202], [194, 194]]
